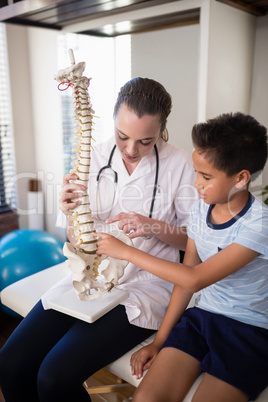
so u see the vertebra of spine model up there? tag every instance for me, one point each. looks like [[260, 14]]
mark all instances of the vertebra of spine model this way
[[82, 259]]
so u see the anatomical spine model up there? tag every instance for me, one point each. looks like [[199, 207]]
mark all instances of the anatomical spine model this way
[[82, 258]]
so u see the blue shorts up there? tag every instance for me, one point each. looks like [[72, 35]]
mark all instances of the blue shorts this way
[[230, 350]]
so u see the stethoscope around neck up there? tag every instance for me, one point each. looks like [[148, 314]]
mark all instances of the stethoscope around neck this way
[[109, 166]]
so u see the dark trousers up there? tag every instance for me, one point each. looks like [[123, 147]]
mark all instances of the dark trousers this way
[[49, 355]]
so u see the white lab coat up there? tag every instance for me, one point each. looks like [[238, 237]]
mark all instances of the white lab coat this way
[[148, 295]]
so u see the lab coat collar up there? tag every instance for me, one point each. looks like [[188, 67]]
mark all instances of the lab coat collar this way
[[145, 167]]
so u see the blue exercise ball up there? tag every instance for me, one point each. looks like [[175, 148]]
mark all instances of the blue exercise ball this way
[[24, 252]]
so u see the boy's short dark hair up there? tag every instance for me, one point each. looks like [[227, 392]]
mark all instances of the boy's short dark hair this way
[[232, 142]]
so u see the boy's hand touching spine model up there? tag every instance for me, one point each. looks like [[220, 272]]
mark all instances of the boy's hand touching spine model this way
[[110, 245]]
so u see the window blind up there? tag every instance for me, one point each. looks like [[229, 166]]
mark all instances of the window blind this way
[[67, 111], [8, 196]]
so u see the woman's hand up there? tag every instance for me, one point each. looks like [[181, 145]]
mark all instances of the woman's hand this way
[[70, 194], [111, 246], [135, 225], [141, 360]]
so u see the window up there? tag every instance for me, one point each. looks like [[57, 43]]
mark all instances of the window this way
[[8, 196], [108, 62]]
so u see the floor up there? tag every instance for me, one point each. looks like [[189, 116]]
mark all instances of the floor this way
[[103, 377]]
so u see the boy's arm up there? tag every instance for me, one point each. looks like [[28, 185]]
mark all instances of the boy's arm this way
[[201, 275], [142, 359], [180, 298]]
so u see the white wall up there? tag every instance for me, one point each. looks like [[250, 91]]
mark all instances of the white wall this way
[[171, 56], [230, 64], [259, 93], [233, 66]]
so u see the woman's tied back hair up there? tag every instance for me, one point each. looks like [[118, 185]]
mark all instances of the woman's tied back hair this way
[[145, 96], [232, 142]]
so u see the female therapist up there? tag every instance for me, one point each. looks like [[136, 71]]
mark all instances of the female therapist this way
[[143, 186]]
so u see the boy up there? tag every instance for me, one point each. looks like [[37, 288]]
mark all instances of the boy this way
[[226, 334]]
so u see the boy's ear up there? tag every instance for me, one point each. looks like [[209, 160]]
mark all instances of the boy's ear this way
[[243, 179]]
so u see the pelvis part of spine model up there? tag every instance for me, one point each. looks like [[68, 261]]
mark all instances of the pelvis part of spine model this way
[[82, 258]]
